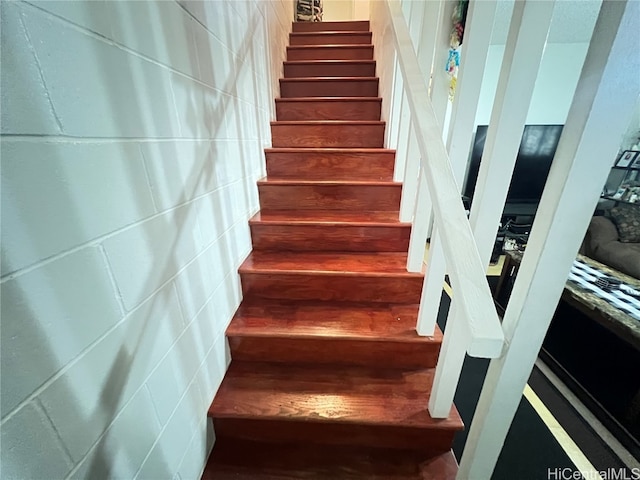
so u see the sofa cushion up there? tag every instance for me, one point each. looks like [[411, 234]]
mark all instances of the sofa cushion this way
[[627, 219]]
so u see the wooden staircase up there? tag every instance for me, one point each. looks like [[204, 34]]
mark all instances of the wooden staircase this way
[[329, 379]]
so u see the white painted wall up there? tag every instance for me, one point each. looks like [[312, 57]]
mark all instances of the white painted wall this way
[[555, 85], [131, 142], [337, 10]]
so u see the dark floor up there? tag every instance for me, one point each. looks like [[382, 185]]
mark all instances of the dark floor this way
[[530, 449]]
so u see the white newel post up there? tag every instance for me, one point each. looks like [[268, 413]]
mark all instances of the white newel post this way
[[606, 94], [523, 52]]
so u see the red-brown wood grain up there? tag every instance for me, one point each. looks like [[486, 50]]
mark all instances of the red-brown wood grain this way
[[330, 68], [330, 195], [351, 26], [330, 163], [340, 233], [329, 87], [234, 459], [360, 335], [330, 276], [330, 52], [328, 133], [315, 404], [329, 379], [331, 108], [330, 38]]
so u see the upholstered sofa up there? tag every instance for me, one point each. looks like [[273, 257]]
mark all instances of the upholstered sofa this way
[[603, 243]]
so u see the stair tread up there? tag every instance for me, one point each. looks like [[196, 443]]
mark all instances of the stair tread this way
[[338, 183], [327, 149], [250, 460], [328, 122], [338, 45], [328, 218], [319, 263], [329, 99], [329, 320], [331, 32], [326, 62], [310, 393], [328, 79]]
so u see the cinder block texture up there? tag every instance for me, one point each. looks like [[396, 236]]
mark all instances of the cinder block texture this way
[[132, 137]]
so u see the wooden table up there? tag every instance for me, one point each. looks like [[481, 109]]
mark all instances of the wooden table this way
[[617, 321]]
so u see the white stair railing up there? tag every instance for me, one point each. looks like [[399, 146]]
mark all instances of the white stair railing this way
[[430, 186], [607, 91]]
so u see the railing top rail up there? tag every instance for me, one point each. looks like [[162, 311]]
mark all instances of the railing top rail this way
[[467, 274]]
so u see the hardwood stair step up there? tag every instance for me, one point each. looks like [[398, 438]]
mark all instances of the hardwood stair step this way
[[331, 230], [330, 276], [349, 26], [330, 163], [329, 195], [328, 133], [328, 108], [330, 68], [333, 405], [336, 37], [329, 87], [330, 52], [233, 459], [318, 333]]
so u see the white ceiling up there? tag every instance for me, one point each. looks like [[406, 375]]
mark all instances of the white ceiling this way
[[572, 22]]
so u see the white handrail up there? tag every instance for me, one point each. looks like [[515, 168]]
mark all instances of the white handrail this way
[[472, 296]]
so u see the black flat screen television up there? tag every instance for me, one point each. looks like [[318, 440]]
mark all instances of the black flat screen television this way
[[537, 149]]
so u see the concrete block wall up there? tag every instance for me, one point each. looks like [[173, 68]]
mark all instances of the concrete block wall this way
[[132, 137]]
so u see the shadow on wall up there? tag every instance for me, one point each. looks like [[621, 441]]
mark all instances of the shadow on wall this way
[[93, 405]]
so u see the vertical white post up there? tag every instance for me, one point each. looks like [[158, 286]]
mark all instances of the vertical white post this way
[[420, 228], [450, 361], [403, 135], [415, 23], [525, 45], [427, 45], [601, 109], [440, 82], [432, 286], [410, 182], [397, 90], [477, 37]]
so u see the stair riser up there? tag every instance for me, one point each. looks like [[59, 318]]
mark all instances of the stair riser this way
[[328, 88], [327, 136], [330, 70], [332, 287], [330, 197], [362, 38], [320, 351], [354, 26], [273, 431], [330, 166], [330, 53], [330, 238], [323, 110]]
